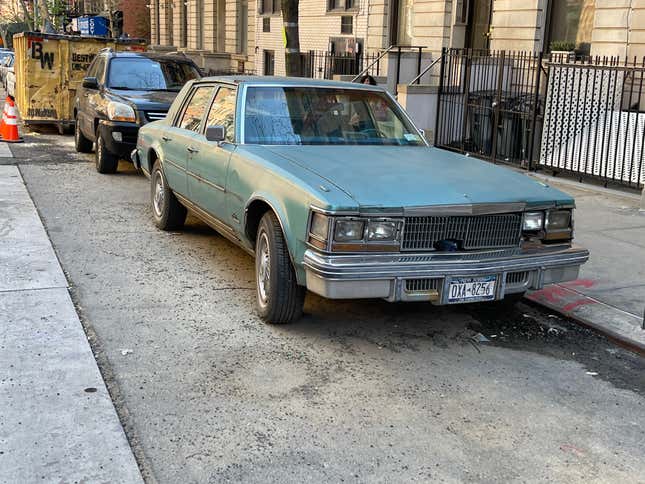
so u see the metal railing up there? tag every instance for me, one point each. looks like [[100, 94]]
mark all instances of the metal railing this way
[[380, 56], [594, 123], [489, 104], [417, 79], [325, 65]]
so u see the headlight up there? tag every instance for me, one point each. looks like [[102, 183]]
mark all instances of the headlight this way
[[320, 226], [349, 230], [533, 221], [558, 220], [381, 230], [120, 112]]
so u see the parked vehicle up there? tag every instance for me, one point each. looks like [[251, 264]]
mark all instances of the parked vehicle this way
[[10, 81], [6, 64], [122, 92], [333, 189]]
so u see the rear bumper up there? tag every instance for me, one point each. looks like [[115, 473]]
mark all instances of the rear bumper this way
[[386, 276], [120, 138]]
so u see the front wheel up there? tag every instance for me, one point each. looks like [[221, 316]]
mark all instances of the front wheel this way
[[168, 213], [81, 143], [279, 297], [106, 162]]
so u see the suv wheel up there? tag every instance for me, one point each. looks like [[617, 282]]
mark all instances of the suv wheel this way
[[168, 213], [106, 162], [81, 143], [279, 297]]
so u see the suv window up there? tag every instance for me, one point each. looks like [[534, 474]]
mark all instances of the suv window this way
[[142, 73], [193, 114], [222, 112]]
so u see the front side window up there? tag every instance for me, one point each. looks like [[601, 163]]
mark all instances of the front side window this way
[[192, 116], [222, 112], [144, 74], [324, 116]]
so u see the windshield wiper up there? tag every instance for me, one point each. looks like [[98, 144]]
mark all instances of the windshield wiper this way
[[124, 88]]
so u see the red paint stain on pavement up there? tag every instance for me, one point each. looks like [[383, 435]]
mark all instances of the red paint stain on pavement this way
[[551, 293], [576, 304], [587, 283]]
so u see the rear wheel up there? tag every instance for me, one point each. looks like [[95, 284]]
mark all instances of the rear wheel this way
[[106, 162], [168, 213], [81, 143], [279, 297]]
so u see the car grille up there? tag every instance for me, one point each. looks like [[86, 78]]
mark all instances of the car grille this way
[[470, 232], [155, 115], [421, 285], [517, 278]]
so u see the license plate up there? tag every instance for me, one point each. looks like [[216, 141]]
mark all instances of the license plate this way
[[470, 289]]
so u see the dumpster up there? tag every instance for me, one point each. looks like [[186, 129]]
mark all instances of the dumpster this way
[[50, 67]]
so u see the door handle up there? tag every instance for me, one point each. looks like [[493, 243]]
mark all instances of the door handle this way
[[192, 150], [165, 138]]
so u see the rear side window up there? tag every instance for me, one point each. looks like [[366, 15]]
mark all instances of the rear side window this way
[[193, 114]]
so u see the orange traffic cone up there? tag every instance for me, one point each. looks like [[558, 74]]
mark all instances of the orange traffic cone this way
[[10, 134], [3, 123]]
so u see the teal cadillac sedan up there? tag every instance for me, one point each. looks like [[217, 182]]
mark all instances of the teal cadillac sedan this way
[[332, 189]]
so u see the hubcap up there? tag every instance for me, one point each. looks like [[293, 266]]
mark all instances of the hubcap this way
[[158, 198], [263, 268], [99, 148]]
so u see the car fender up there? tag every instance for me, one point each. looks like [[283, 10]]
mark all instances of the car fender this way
[[282, 213]]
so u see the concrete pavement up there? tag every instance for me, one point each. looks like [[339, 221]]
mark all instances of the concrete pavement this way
[[57, 423], [609, 295]]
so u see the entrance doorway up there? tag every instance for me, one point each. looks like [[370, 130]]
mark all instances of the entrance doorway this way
[[479, 20]]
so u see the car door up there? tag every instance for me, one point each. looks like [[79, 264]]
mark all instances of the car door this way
[[177, 139], [90, 99], [208, 162]]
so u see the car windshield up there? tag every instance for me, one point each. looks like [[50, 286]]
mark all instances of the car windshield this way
[[324, 116], [150, 75]]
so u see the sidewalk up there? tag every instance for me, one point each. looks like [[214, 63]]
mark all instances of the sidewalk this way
[[57, 422], [610, 293]]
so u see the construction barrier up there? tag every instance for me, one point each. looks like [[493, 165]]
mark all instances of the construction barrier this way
[[50, 68]]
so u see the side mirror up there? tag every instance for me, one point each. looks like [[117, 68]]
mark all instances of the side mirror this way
[[215, 134], [90, 83]]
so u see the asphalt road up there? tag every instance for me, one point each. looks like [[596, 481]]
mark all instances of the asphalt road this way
[[356, 392]]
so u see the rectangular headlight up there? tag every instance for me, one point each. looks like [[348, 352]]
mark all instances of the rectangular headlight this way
[[558, 220], [382, 230], [533, 221], [349, 230], [319, 226]]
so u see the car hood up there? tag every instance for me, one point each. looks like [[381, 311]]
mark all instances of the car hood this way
[[399, 176], [146, 100]]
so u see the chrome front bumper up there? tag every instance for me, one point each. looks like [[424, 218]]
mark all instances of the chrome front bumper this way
[[387, 276]]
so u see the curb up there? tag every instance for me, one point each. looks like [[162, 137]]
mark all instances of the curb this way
[[624, 328]]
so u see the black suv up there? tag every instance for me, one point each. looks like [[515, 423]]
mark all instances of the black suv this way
[[123, 91]]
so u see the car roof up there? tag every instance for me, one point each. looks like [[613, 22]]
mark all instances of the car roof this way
[[149, 55], [288, 82]]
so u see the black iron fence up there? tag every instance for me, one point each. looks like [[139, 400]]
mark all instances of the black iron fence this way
[[490, 104], [595, 119], [325, 65], [584, 116]]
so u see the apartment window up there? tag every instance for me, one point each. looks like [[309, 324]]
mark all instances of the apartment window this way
[[183, 38], [341, 4], [269, 7], [347, 24], [266, 24], [269, 63], [572, 21]]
